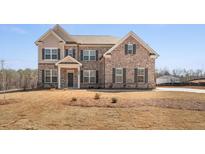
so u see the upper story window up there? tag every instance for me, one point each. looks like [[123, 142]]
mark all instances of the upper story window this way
[[70, 52], [92, 55], [130, 48], [51, 54], [141, 75], [86, 54], [119, 75], [89, 55]]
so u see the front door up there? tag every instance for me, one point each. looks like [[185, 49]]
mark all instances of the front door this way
[[70, 79]]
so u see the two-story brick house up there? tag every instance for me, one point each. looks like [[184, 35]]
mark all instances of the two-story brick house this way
[[92, 61]]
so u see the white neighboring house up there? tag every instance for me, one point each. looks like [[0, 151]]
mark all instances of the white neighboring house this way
[[166, 79]]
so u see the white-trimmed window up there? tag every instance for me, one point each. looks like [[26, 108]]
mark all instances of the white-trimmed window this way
[[130, 48], [86, 55], [86, 76], [92, 55], [92, 76], [54, 76], [89, 76], [141, 75], [119, 75], [69, 52], [89, 55], [51, 76], [51, 54], [47, 76]]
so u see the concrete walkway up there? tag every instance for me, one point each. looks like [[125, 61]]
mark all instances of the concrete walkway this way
[[181, 89]]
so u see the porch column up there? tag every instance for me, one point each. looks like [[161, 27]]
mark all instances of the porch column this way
[[78, 76], [59, 77]]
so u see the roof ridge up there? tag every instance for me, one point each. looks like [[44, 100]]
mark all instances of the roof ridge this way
[[94, 35]]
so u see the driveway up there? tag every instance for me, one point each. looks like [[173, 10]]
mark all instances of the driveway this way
[[181, 90]]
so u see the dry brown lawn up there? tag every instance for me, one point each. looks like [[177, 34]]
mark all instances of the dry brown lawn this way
[[192, 87], [54, 109]]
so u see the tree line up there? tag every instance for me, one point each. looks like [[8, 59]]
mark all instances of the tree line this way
[[28, 78], [19, 79], [183, 74]]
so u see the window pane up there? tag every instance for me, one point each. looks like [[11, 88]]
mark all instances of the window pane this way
[[47, 73], [92, 73], [140, 79], [119, 71], [47, 54], [92, 52], [92, 58], [118, 79], [92, 79], [54, 54], [54, 79], [47, 51], [86, 73], [48, 79], [86, 57], [86, 53], [92, 55], [47, 76], [130, 47], [140, 71], [70, 53], [85, 79], [54, 73]]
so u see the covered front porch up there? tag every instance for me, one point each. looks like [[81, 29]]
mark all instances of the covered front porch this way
[[68, 73]]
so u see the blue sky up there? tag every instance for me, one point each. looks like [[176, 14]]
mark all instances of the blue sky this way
[[179, 46]]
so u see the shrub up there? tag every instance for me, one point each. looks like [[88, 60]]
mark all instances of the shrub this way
[[97, 96], [74, 99], [114, 100]]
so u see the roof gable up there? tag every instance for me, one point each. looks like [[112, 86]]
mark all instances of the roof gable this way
[[63, 34], [145, 45], [50, 31]]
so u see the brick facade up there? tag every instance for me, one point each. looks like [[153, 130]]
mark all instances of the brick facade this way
[[118, 59], [103, 64]]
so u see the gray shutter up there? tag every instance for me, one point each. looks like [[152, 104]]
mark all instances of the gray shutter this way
[[81, 55], [126, 48], [66, 53], [146, 75], [73, 53], [43, 53], [42, 75], [113, 75], [97, 76], [124, 75], [81, 76], [135, 75], [96, 55], [59, 54], [134, 48]]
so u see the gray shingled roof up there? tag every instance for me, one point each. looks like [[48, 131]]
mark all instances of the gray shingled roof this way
[[95, 39]]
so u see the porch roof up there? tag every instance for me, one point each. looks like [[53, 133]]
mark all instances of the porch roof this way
[[68, 60]]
